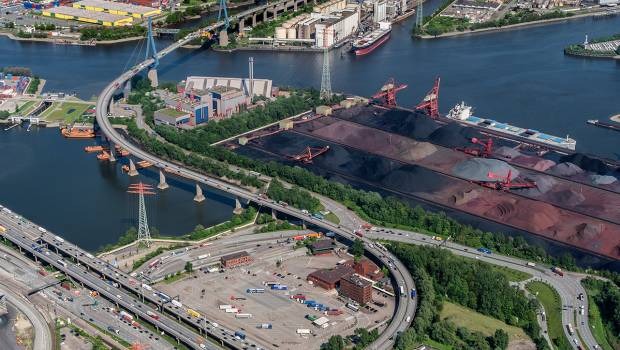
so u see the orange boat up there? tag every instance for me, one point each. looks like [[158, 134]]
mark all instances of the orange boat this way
[[74, 133], [92, 149], [139, 165], [122, 153], [103, 156]]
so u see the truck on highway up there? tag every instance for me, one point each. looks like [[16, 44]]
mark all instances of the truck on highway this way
[[484, 250], [164, 297], [224, 307], [203, 256], [126, 316], [402, 290], [358, 233], [152, 315], [59, 239], [112, 330], [62, 262], [570, 329], [146, 286], [154, 263], [240, 335], [530, 264], [193, 313], [558, 271]]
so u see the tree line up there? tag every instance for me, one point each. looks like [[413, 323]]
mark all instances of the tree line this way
[[115, 33], [295, 196]]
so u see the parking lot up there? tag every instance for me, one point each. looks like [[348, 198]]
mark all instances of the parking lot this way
[[207, 291]]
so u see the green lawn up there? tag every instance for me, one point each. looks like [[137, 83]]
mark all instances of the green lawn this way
[[596, 322], [333, 218], [474, 321], [512, 275], [550, 300], [67, 112], [26, 107]]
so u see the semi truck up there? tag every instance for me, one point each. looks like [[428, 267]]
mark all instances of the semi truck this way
[[193, 313], [558, 271]]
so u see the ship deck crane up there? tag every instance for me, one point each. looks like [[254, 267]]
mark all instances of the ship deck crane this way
[[505, 183], [485, 151], [388, 93], [430, 103], [309, 153]]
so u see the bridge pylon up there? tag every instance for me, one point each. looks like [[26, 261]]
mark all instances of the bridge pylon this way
[[223, 35], [151, 52]]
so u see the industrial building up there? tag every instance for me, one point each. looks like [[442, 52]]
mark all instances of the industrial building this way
[[260, 87], [117, 8], [330, 278], [76, 14], [356, 288], [336, 27], [330, 6], [169, 116], [235, 259], [365, 267], [322, 246], [227, 101]]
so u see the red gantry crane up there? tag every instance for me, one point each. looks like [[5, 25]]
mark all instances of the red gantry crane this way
[[505, 183], [485, 151], [388, 93], [309, 153], [430, 103]]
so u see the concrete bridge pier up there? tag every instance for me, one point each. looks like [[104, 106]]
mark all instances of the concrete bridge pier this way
[[303, 224], [132, 169], [223, 38], [199, 197], [112, 151], [126, 90], [162, 181], [253, 20], [152, 75], [241, 25], [265, 16], [274, 214], [238, 208]]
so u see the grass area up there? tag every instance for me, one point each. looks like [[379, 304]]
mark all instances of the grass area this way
[[596, 322], [512, 275], [65, 111], [332, 218], [474, 321], [118, 339], [26, 107], [437, 345], [177, 276], [550, 300]]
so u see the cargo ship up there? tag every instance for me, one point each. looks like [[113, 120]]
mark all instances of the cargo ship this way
[[606, 125], [462, 113], [367, 43]]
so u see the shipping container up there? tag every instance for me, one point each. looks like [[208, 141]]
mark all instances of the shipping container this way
[[303, 331], [224, 307], [243, 315], [232, 310], [176, 303]]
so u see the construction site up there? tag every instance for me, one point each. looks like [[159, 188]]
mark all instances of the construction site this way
[[555, 198]]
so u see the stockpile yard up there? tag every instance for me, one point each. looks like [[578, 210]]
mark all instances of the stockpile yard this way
[[572, 199]]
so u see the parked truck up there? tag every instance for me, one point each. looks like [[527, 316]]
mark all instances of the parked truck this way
[[265, 326], [558, 271]]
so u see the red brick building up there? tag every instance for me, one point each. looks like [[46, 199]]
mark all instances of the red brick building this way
[[357, 289], [366, 268], [235, 259], [330, 278]]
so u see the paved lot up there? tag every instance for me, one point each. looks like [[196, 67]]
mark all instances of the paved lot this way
[[206, 291]]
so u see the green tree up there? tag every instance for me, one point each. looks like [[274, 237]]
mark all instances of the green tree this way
[[499, 340], [335, 342], [357, 248], [189, 267]]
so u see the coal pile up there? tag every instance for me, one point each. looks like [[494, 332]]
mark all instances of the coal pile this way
[[568, 197], [479, 169], [586, 163], [507, 152], [454, 135], [565, 169], [412, 179], [370, 167], [415, 125], [543, 185], [535, 163]]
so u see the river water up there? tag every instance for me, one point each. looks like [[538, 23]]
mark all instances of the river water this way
[[519, 76]]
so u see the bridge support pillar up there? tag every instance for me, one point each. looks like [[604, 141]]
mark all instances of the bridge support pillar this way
[[132, 169], [275, 13], [238, 208], [303, 224], [265, 16], [152, 75], [295, 5], [223, 38], [127, 89], [274, 214], [112, 151], [241, 25], [253, 20], [162, 181], [199, 197], [36, 259]]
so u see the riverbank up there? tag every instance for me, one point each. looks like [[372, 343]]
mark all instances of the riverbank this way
[[515, 26], [70, 42]]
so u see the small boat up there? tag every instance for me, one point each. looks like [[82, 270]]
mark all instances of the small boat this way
[[77, 133]]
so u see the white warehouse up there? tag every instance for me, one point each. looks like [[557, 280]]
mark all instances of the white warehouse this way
[[339, 25]]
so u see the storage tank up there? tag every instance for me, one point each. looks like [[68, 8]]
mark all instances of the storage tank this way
[[291, 33], [280, 33]]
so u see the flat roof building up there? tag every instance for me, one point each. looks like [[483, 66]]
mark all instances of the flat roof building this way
[[365, 267], [330, 278], [77, 14], [322, 246], [235, 259], [261, 87], [355, 288], [117, 8], [169, 116]]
